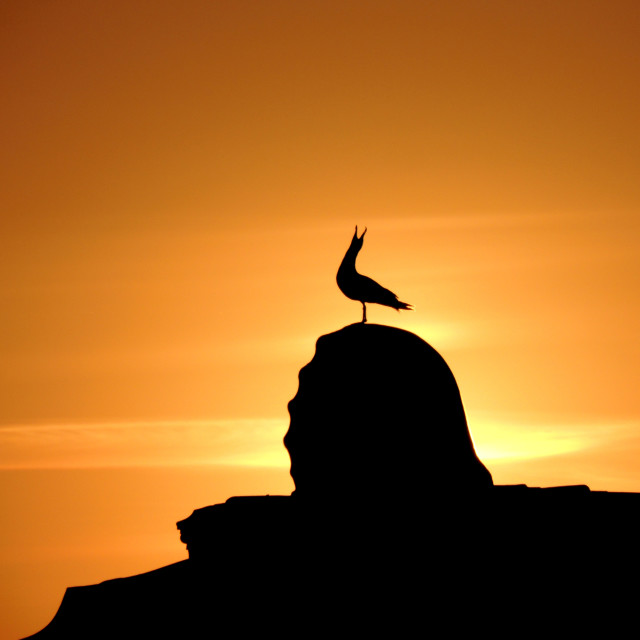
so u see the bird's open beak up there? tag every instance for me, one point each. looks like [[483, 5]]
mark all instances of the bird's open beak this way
[[355, 235]]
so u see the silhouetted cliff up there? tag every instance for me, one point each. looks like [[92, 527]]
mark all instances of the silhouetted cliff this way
[[378, 414], [395, 527]]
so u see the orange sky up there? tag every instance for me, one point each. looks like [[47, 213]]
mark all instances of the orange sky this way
[[180, 182]]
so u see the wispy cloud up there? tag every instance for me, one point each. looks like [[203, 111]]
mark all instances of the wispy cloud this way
[[523, 438], [467, 221], [245, 442], [258, 442]]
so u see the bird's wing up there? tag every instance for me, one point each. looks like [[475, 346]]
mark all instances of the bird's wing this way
[[374, 292], [371, 291]]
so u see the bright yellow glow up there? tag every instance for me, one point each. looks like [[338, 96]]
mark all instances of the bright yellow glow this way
[[511, 442]]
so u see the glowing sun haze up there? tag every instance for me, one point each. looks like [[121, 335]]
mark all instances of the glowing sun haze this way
[[180, 183]]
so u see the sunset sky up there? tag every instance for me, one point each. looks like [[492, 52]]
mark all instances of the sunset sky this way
[[180, 181]]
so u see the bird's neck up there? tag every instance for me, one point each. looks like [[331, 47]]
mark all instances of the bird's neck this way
[[349, 261]]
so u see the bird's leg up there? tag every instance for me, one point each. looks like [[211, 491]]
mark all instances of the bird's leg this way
[[364, 313]]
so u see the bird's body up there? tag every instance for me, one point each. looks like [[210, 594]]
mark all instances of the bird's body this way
[[362, 288]]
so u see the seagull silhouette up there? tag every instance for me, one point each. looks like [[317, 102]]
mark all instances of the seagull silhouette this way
[[361, 288]]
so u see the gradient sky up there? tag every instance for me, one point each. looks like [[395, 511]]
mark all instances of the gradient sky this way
[[180, 181]]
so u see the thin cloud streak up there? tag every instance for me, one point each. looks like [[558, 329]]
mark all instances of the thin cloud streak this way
[[467, 221], [258, 442], [244, 442], [524, 439]]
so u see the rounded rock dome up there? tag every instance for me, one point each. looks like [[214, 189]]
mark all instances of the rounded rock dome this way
[[378, 412]]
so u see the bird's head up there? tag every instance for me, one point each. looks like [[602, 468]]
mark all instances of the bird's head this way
[[356, 243]]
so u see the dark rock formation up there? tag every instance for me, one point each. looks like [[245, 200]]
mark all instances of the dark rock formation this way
[[395, 527], [378, 415]]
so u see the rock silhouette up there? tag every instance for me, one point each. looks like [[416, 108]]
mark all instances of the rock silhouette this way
[[378, 414], [394, 528]]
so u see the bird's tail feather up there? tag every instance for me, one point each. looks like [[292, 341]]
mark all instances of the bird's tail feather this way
[[402, 305]]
